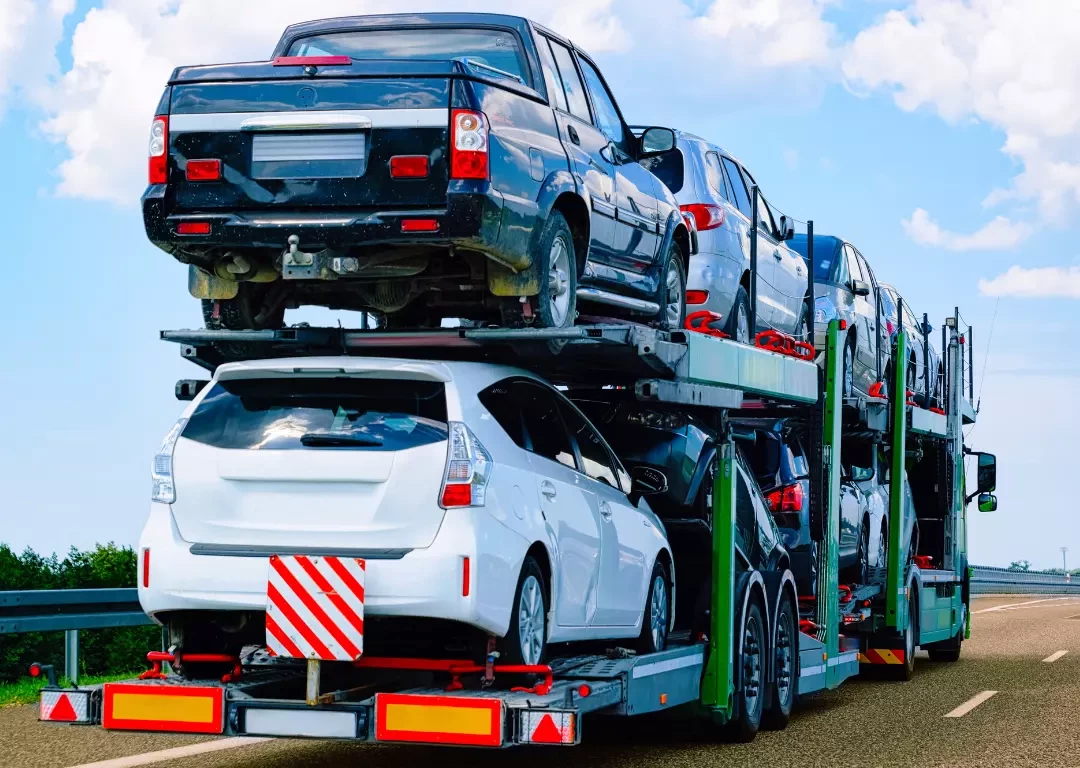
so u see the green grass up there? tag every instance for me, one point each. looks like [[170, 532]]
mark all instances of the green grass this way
[[25, 691]]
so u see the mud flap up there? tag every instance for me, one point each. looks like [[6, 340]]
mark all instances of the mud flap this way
[[203, 285], [503, 281]]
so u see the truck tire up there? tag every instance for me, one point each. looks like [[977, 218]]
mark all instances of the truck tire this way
[[750, 693], [785, 652], [657, 615], [904, 671], [947, 651], [671, 295], [526, 641]]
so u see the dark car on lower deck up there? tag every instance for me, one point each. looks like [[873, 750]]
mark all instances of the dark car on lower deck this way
[[419, 166]]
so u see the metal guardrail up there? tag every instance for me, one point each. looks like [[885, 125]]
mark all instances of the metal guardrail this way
[[1002, 581]]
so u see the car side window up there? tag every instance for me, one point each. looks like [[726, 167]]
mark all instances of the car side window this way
[[766, 220], [571, 80], [842, 275], [865, 267], [551, 75], [742, 196], [545, 433], [714, 175], [597, 461], [744, 512], [607, 114], [852, 264], [500, 403]]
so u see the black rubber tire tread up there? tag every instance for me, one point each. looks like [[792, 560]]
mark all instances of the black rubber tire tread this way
[[555, 225], [745, 727], [778, 713], [510, 647], [730, 326], [644, 642], [947, 651], [660, 321]]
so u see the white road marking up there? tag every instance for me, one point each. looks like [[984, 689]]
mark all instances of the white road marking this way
[[971, 703], [1011, 606], [1054, 657], [149, 758]]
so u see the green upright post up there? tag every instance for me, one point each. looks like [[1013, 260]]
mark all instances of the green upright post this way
[[895, 589], [828, 594], [718, 686]]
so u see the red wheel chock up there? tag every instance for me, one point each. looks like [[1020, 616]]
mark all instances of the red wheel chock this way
[[701, 322], [774, 341]]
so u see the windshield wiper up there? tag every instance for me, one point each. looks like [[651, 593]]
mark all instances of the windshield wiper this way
[[488, 68], [324, 440]]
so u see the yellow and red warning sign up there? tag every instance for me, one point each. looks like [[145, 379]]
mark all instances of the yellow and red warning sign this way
[[881, 656], [438, 719], [182, 709]]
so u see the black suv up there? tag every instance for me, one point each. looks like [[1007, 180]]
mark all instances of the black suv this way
[[419, 166]]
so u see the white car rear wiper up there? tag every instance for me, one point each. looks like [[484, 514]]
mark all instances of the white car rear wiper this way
[[324, 440]]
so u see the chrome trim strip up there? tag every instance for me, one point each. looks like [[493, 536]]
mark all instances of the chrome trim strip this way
[[241, 550], [335, 119], [615, 300]]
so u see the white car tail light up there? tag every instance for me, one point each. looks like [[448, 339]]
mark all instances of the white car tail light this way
[[159, 150], [468, 145], [468, 469], [161, 473]]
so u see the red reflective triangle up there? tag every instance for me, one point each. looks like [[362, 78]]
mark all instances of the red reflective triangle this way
[[63, 710], [547, 732]]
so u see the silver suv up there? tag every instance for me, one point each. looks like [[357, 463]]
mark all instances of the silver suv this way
[[715, 189]]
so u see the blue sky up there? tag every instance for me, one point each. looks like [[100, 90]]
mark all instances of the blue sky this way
[[88, 387]]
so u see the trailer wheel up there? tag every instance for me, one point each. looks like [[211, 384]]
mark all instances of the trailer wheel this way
[[784, 653], [654, 621], [907, 669], [750, 694], [947, 650], [526, 642]]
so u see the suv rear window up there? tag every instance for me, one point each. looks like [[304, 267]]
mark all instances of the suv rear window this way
[[493, 47], [320, 413], [668, 167]]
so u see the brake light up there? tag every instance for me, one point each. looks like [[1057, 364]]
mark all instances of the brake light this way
[[313, 61], [161, 471], [193, 228], [408, 167], [203, 170], [706, 215], [419, 225], [468, 469], [159, 148], [697, 297], [787, 499], [468, 145]]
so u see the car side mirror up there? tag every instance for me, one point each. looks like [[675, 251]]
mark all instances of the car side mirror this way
[[987, 477], [188, 389], [657, 141], [787, 228], [860, 287], [862, 474], [987, 502], [646, 481]]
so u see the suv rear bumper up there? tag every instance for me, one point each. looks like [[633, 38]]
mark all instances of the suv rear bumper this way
[[422, 583], [472, 219]]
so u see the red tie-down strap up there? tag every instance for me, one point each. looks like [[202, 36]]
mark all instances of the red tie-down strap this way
[[701, 322]]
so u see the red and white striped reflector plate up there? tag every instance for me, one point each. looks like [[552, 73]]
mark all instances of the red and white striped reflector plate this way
[[551, 727], [315, 607], [65, 706]]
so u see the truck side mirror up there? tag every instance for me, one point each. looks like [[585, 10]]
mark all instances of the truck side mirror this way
[[646, 481], [987, 502], [787, 228], [987, 478], [860, 287]]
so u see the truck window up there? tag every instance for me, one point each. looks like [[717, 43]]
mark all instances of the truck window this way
[[499, 48], [571, 80], [607, 114]]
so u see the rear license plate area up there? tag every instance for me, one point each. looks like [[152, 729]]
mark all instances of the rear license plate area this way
[[326, 155]]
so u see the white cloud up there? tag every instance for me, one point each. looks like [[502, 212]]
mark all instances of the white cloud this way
[[999, 235], [123, 52], [1034, 283], [29, 32], [1014, 64]]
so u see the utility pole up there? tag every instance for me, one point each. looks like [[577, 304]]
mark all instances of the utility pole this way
[[1064, 569]]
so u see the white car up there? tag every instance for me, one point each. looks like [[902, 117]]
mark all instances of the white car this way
[[476, 493]]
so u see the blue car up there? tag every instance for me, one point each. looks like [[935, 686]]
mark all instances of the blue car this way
[[419, 166]]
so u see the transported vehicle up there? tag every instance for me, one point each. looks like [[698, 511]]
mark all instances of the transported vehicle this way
[[845, 289], [481, 500], [924, 364], [419, 166], [716, 189]]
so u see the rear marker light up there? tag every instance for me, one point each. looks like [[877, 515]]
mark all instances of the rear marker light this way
[[203, 170], [146, 568], [457, 495], [706, 215], [193, 228], [465, 577], [419, 225], [159, 146], [409, 167], [312, 61], [468, 145], [697, 297], [468, 469], [35, 670]]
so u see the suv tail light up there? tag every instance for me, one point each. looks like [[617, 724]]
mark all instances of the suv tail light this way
[[786, 499], [159, 150], [161, 472], [706, 215], [468, 469], [468, 145]]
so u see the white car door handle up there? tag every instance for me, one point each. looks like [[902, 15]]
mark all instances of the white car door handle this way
[[777, 256], [548, 489], [605, 510]]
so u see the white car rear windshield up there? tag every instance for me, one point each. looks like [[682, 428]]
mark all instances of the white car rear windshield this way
[[493, 47], [347, 413]]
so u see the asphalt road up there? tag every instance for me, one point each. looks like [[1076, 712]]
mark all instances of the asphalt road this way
[[1033, 719]]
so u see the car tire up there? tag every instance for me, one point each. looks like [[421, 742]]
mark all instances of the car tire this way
[[556, 303], [738, 325], [947, 651], [671, 295], [802, 328], [655, 619], [859, 573], [526, 640], [847, 370], [753, 651], [785, 653]]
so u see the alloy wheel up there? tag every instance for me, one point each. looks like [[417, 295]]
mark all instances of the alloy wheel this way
[[676, 292], [531, 621], [559, 281], [742, 326], [658, 616], [849, 373]]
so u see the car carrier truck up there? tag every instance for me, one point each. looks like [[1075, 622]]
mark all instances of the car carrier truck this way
[[763, 644]]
